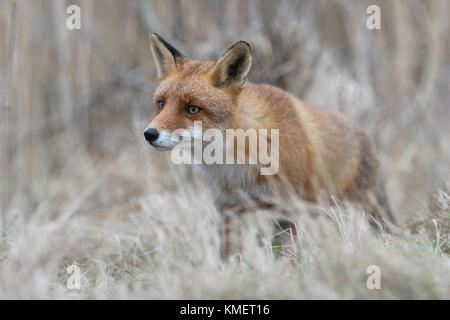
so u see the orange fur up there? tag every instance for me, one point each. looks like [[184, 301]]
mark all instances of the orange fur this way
[[322, 152]]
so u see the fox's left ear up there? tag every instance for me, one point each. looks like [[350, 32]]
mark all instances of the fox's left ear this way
[[231, 70], [166, 57]]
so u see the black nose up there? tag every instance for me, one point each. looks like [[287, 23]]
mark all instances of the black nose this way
[[151, 134]]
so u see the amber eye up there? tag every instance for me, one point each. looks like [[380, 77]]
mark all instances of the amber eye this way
[[160, 105], [192, 109]]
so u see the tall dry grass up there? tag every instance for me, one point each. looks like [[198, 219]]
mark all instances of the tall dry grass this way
[[79, 185]]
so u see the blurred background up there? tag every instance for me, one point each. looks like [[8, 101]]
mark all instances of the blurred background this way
[[74, 103], [80, 186]]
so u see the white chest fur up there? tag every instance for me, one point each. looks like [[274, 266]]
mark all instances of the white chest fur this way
[[233, 185]]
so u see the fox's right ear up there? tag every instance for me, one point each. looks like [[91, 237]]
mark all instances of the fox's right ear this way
[[166, 57]]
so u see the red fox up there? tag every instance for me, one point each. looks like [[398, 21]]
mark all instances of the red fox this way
[[320, 151]]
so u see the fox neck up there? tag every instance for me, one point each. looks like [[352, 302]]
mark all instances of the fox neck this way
[[247, 109]]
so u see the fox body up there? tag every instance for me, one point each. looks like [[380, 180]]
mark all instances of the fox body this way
[[321, 152]]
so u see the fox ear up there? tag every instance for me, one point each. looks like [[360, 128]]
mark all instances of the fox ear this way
[[232, 68], [166, 57]]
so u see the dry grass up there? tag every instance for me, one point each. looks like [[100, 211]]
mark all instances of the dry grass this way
[[78, 183]]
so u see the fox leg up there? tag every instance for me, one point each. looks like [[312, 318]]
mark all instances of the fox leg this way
[[231, 233]]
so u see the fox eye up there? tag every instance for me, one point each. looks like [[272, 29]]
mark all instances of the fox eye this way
[[192, 109], [160, 105]]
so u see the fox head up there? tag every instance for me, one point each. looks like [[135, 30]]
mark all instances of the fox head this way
[[192, 90]]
